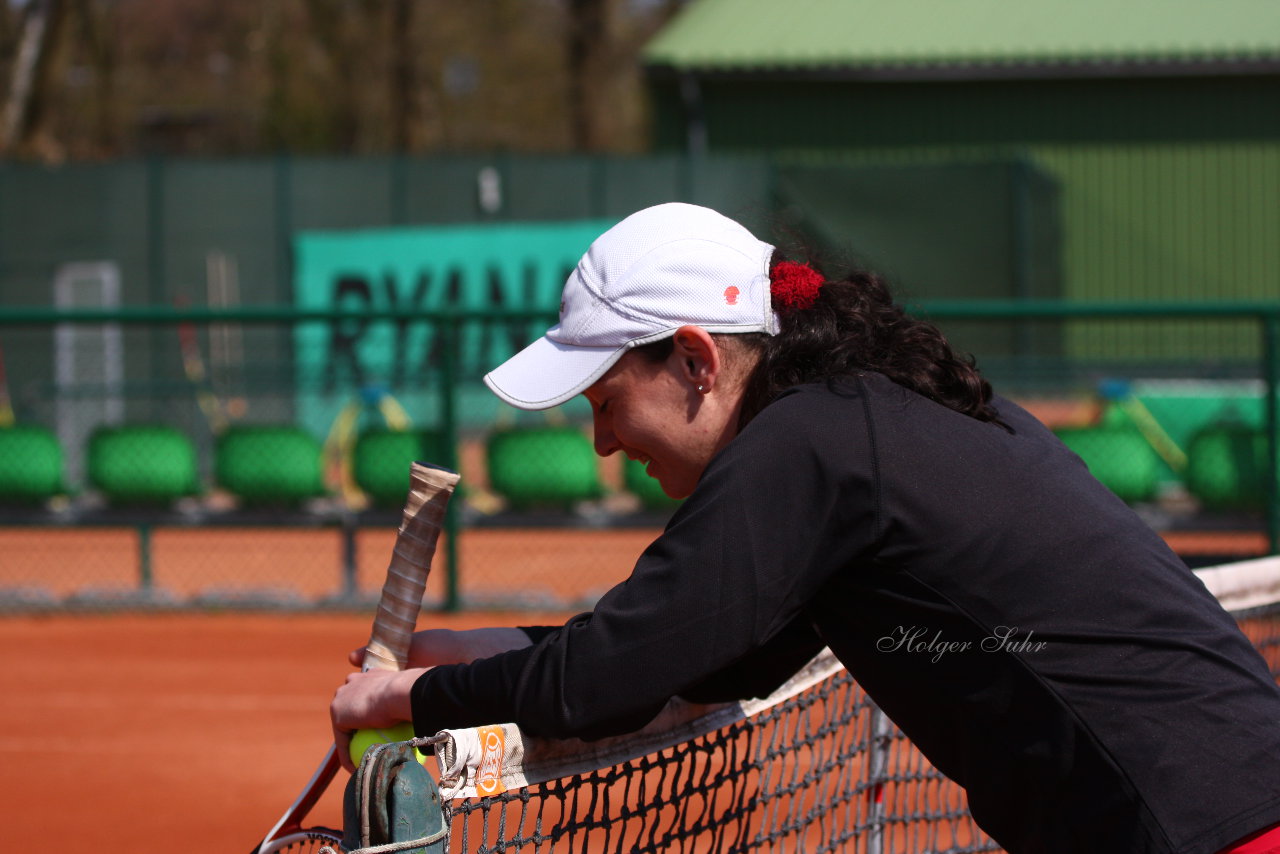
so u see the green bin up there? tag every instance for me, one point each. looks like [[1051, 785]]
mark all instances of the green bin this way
[[269, 464], [142, 464], [543, 466], [30, 465], [381, 459], [1119, 457], [1226, 467]]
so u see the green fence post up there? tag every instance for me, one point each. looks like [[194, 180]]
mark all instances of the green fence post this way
[[157, 259], [284, 216], [350, 529], [448, 327], [1271, 353], [145, 580], [1020, 227]]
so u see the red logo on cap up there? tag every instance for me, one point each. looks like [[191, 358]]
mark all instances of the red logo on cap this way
[[731, 295]]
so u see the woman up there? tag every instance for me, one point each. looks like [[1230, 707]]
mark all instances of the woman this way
[[852, 483]]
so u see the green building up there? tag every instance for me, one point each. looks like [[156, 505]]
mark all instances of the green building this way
[[1108, 151]]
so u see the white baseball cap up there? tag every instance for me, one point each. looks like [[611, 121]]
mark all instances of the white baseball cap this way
[[661, 268]]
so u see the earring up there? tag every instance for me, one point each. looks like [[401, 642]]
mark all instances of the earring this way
[[702, 389]]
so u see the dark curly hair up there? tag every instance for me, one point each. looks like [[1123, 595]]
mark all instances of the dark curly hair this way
[[853, 326]]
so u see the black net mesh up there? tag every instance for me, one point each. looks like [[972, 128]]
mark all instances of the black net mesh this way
[[822, 771]]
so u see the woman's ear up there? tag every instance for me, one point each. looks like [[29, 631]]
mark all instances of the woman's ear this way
[[696, 353]]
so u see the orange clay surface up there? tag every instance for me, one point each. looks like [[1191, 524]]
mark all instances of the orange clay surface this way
[[195, 731], [187, 733]]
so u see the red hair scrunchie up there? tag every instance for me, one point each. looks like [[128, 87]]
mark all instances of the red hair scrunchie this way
[[794, 286]]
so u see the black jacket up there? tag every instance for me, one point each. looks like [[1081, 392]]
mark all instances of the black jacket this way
[[1032, 636]]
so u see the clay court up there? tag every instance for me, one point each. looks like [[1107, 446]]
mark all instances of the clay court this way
[[173, 732], [188, 732], [193, 730]]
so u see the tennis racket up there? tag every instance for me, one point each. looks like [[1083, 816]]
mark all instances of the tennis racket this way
[[429, 490], [193, 367]]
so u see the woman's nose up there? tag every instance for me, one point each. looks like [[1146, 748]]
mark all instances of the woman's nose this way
[[606, 443]]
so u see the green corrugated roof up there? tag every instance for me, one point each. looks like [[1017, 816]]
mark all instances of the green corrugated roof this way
[[816, 34]]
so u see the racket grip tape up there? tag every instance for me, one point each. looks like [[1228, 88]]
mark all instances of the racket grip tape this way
[[430, 488]]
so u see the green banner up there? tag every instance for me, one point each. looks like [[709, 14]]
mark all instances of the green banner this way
[[361, 364]]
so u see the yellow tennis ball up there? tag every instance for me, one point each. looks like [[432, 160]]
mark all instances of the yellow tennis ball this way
[[366, 738]]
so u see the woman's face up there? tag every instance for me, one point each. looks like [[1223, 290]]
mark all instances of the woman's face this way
[[654, 413]]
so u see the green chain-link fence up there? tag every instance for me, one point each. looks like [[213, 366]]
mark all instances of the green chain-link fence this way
[[194, 479]]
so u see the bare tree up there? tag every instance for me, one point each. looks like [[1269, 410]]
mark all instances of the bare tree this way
[[587, 42], [400, 18], [93, 78], [337, 26], [24, 107], [7, 13], [96, 35]]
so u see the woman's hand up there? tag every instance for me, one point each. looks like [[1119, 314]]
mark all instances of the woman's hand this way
[[371, 700], [431, 647], [380, 698]]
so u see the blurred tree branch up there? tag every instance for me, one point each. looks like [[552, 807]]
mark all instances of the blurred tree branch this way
[[24, 106], [588, 40], [336, 26], [94, 78], [401, 77], [97, 35]]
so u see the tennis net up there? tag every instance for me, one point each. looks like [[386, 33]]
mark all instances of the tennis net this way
[[814, 767]]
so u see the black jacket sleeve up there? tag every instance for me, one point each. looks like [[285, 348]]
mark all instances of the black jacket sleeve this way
[[757, 674], [761, 671]]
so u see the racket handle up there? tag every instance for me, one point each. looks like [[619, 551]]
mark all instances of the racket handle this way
[[430, 488]]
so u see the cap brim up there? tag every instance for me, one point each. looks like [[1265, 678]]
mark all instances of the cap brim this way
[[547, 374]]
